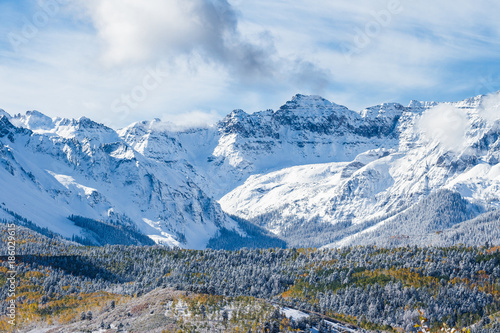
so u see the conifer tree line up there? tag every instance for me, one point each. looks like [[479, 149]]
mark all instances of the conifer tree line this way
[[372, 287]]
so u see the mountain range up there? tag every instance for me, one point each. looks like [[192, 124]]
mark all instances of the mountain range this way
[[312, 173]]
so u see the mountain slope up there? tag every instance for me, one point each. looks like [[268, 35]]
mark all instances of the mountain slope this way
[[313, 204], [54, 169], [421, 224], [312, 172]]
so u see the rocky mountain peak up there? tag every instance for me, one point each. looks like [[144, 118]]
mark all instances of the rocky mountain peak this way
[[35, 120], [386, 110], [415, 104], [310, 104], [5, 114], [5, 125]]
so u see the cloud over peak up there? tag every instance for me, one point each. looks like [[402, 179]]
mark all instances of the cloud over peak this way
[[134, 31]]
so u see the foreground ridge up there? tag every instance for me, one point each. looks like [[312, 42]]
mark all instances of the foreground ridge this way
[[154, 288]]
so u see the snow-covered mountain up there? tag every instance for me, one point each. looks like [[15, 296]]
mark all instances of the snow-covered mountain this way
[[312, 172], [55, 168], [381, 162]]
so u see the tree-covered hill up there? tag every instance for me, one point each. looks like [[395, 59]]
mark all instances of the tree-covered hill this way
[[375, 288]]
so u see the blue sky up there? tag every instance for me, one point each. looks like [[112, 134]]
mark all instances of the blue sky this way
[[193, 61]]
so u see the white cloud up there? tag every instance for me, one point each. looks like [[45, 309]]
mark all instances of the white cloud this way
[[445, 124], [227, 54], [135, 31], [490, 108], [197, 118], [415, 55]]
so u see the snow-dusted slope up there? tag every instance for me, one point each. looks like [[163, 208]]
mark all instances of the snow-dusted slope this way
[[440, 219], [313, 172], [307, 129], [54, 168], [431, 146]]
